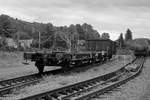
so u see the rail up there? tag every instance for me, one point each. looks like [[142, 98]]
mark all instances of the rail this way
[[7, 85]]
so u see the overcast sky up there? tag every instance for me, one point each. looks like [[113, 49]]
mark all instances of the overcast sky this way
[[112, 16]]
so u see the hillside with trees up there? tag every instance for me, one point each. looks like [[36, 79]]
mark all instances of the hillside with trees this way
[[19, 29]]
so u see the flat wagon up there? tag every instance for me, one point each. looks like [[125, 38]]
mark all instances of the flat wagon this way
[[97, 50]]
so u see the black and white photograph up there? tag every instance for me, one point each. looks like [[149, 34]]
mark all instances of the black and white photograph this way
[[74, 49]]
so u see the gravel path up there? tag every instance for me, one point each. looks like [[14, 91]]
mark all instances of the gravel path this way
[[55, 81]]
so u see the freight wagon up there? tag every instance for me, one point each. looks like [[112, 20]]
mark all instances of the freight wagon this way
[[97, 50], [104, 45]]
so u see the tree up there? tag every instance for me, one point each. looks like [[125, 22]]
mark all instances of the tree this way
[[121, 40], [105, 36], [50, 30], [90, 33], [81, 32], [128, 35], [5, 27]]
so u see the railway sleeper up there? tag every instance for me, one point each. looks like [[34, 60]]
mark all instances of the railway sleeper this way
[[63, 92], [48, 97], [55, 95]]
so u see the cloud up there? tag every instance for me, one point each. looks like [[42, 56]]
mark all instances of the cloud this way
[[113, 16]]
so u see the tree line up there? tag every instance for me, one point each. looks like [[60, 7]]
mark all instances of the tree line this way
[[18, 29]]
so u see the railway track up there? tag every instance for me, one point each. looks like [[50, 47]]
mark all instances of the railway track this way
[[90, 88], [7, 86], [119, 80]]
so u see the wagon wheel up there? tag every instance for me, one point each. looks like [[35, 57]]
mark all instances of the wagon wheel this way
[[59, 56], [40, 66], [40, 69], [66, 65]]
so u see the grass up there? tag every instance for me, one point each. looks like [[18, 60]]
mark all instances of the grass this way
[[10, 59]]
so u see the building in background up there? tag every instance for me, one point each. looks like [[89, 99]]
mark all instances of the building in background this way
[[25, 43]]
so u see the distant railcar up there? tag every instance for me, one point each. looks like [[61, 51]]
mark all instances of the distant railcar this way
[[141, 50], [139, 53], [98, 50], [140, 46]]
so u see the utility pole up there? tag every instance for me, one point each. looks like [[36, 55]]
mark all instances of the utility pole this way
[[18, 37], [39, 40], [54, 40], [70, 44], [77, 41], [17, 33]]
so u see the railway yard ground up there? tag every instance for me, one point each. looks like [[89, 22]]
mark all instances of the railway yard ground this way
[[136, 89], [11, 65]]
